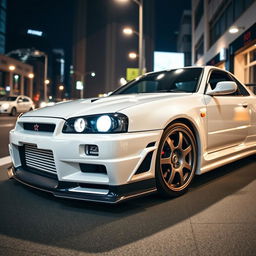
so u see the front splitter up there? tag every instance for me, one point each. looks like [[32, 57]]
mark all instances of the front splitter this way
[[58, 188]]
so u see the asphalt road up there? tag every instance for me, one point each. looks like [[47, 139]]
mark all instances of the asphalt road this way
[[216, 217], [6, 124]]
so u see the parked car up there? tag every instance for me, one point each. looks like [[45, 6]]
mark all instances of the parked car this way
[[15, 104], [153, 134]]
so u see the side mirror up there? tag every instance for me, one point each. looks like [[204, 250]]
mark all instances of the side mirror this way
[[223, 88]]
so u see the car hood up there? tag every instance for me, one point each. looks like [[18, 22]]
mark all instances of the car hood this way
[[93, 106]]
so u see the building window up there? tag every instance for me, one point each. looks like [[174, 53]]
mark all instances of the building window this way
[[199, 49], [227, 14], [250, 67], [199, 12]]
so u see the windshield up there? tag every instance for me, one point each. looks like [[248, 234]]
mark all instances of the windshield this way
[[178, 80], [8, 98]]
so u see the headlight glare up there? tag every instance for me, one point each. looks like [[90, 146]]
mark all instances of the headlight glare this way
[[104, 123]]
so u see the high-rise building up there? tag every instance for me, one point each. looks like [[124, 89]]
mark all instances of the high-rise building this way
[[2, 25], [100, 46], [184, 37], [224, 35]]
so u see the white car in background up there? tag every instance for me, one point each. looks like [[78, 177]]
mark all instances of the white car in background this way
[[15, 104], [153, 134]]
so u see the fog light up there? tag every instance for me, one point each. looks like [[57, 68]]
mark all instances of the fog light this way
[[91, 150]]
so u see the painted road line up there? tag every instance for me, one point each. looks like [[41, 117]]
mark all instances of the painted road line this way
[[5, 160], [7, 125]]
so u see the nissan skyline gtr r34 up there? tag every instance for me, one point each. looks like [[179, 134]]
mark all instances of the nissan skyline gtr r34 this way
[[153, 134]]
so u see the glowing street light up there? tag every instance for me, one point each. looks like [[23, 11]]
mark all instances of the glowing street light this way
[[132, 55], [129, 31], [61, 87], [38, 53], [141, 50], [47, 81], [235, 29], [31, 75], [12, 67]]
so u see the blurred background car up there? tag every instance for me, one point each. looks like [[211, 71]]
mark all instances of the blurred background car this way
[[15, 104]]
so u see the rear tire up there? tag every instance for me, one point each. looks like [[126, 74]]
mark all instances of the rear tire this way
[[13, 112], [176, 160]]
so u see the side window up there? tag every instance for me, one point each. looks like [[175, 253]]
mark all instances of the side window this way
[[240, 87], [25, 100]]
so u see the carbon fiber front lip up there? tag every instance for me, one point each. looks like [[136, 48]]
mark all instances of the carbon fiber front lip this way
[[116, 194]]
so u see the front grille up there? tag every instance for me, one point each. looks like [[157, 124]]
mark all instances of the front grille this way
[[39, 127], [39, 159]]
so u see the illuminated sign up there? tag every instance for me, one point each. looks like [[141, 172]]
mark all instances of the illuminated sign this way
[[168, 60], [34, 32], [79, 85], [132, 73]]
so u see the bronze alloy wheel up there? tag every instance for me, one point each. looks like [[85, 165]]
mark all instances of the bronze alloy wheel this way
[[176, 160]]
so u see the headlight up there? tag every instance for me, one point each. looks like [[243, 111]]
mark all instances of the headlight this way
[[5, 106], [105, 123]]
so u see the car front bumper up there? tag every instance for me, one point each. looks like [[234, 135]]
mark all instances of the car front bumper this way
[[122, 155]]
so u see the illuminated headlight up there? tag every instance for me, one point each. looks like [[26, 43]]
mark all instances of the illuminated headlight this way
[[5, 106], [79, 125], [105, 123]]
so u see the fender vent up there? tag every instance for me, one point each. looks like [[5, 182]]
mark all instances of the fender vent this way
[[146, 163]]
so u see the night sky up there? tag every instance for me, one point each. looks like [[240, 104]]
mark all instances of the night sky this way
[[55, 19]]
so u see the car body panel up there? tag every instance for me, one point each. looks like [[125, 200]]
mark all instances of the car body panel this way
[[224, 129]]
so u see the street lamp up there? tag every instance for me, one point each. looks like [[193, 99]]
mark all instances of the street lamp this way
[[132, 55], [141, 50], [37, 53], [235, 29], [31, 75], [12, 67], [80, 84]]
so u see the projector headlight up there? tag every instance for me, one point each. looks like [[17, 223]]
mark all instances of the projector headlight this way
[[105, 123]]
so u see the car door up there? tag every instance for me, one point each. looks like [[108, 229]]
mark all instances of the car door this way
[[20, 104], [27, 104], [228, 116]]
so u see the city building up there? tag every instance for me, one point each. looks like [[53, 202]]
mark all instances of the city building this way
[[2, 25], [101, 47], [184, 37], [15, 77], [224, 35]]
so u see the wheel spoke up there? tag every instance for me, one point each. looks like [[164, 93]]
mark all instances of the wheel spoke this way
[[170, 180], [187, 150], [170, 143], [166, 160], [187, 165], [166, 173], [180, 140], [181, 177]]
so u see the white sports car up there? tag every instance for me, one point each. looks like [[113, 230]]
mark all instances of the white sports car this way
[[153, 134]]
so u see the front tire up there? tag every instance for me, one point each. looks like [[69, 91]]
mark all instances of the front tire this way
[[176, 160], [13, 112]]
